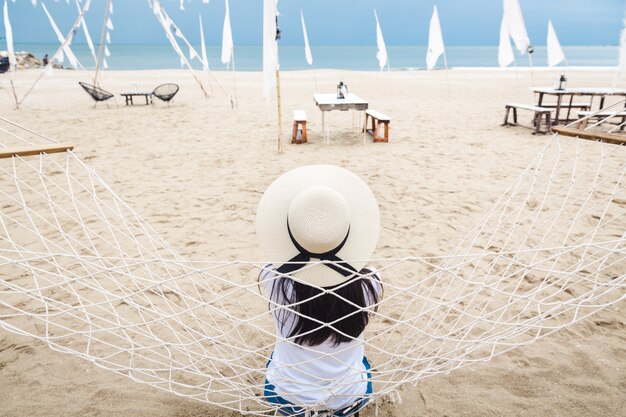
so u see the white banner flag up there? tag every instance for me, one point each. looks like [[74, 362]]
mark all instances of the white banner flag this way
[[515, 25], [307, 47], [381, 55], [227, 38], [435, 41], [505, 50], [555, 53], [87, 35], [9, 35], [205, 59], [622, 48], [270, 46], [66, 49]]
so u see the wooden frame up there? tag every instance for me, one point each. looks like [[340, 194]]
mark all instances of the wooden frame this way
[[591, 135], [35, 150]]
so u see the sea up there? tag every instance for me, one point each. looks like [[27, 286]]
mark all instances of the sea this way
[[349, 57]]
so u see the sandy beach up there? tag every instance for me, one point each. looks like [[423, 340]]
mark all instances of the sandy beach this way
[[196, 169]]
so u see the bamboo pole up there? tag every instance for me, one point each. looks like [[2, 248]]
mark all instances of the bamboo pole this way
[[17, 103], [234, 102], [107, 10], [65, 42], [280, 118]]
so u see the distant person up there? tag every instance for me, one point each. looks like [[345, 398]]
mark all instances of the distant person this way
[[45, 60]]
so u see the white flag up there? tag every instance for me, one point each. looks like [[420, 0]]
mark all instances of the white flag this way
[[9, 35], [182, 4], [227, 38], [66, 49], [270, 46], [555, 53], [515, 25], [106, 51], [307, 47], [87, 35], [109, 24], [435, 41], [505, 50], [205, 60], [622, 48], [381, 55]]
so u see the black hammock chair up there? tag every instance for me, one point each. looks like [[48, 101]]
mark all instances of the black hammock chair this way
[[165, 92], [96, 93]]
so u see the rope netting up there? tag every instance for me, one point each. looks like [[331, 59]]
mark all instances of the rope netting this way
[[84, 273]]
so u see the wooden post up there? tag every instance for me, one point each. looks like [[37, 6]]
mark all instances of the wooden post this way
[[280, 119], [17, 103]]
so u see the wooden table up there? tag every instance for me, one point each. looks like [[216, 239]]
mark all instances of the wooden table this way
[[129, 97], [590, 92], [330, 102]]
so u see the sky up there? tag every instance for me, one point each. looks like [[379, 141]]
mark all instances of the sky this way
[[330, 22]]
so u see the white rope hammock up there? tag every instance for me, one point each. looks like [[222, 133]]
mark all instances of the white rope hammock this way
[[83, 272]]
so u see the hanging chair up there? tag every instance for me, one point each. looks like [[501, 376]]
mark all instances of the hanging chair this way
[[165, 92], [96, 93]]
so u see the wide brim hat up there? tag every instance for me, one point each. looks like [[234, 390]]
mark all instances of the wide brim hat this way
[[318, 213]]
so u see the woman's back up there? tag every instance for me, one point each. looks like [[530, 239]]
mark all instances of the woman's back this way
[[314, 364]]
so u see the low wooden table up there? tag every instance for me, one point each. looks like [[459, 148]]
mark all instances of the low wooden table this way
[[329, 102], [129, 97]]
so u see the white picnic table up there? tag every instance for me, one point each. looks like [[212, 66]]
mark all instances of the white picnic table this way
[[329, 102]]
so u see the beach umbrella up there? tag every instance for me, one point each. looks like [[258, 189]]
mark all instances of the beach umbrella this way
[[227, 39], [515, 25], [505, 51], [381, 55], [307, 47], [435, 42], [555, 53]]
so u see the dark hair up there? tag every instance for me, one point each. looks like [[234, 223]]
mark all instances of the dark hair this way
[[346, 321]]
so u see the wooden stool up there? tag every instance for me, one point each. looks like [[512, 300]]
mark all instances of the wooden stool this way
[[298, 134], [378, 119]]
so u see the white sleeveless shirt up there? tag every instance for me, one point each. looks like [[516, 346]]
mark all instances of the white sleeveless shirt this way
[[328, 376]]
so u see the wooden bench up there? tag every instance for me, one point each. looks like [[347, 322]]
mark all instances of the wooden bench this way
[[536, 123], [379, 121], [585, 116], [298, 134]]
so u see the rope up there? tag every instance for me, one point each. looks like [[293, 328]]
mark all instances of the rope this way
[[86, 274]]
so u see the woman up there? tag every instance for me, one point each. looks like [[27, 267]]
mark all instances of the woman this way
[[320, 223]]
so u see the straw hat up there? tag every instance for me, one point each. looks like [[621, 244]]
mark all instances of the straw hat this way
[[318, 212]]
